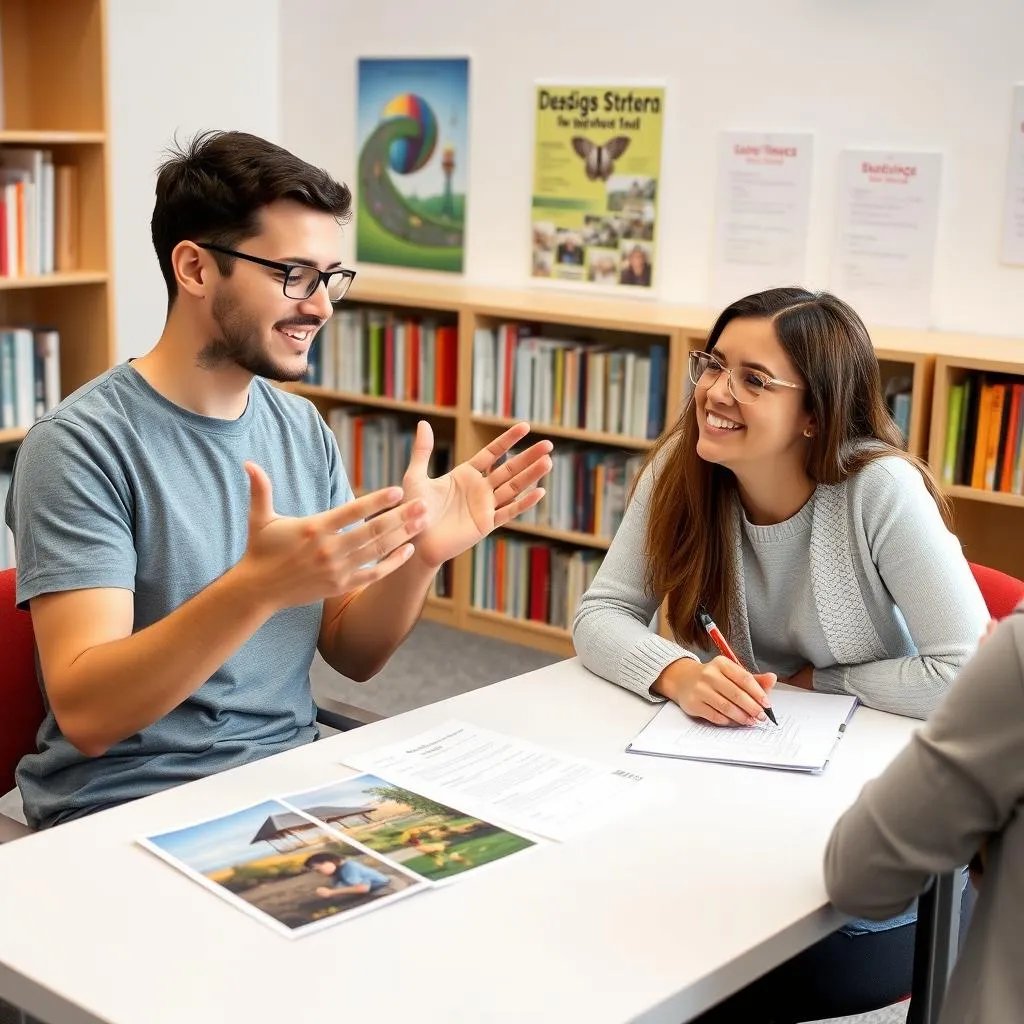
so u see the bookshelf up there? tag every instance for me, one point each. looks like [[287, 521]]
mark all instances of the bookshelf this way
[[54, 100], [923, 361]]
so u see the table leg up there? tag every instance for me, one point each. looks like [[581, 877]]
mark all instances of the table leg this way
[[935, 948]]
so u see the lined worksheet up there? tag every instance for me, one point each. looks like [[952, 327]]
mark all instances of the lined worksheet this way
[[810, 725]]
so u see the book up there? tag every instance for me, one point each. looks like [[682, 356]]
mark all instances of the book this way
[[810, 726]]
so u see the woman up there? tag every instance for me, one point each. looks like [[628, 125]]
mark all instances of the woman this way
[[782, 502]]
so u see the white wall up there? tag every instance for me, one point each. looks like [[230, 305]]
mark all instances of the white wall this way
[[910, 74], [174, 69]]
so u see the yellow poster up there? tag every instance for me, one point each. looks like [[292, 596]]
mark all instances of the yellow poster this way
[[596, 170]]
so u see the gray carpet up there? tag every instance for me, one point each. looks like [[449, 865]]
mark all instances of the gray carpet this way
[[434, 662], [437, 662]]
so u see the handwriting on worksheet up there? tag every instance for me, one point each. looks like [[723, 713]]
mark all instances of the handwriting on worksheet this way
[[764, 741]]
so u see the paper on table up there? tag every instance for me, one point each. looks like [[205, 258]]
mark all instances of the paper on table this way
[[254, 858], [810, 725], [506, 779]]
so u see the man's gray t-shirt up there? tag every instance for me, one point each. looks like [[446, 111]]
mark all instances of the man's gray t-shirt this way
[[119, 487]]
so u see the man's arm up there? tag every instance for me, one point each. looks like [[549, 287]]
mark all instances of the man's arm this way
[[105, 683], [956, 783], [360, 631]]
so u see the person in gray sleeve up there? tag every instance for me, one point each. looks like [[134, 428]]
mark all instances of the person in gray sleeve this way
[[956, 789], [782, 501]]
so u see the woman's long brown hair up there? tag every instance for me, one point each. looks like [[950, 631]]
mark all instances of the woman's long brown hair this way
[[689, 517]]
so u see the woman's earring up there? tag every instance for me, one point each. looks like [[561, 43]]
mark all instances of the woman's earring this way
[[808, 432]]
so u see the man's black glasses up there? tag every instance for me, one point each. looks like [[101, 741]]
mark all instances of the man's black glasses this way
[[300, 281]]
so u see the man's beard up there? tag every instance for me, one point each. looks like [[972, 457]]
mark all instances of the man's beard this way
[[238, 341]]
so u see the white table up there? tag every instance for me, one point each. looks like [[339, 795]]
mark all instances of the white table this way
[[653, 918]]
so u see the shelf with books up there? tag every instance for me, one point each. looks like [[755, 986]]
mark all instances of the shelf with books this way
[[569, 433], [404, 358], [571, 376], [58, 279], [907, 387], [520, 631], [530, 583], [977, 436], [976, 450], [54, 203], [374, 401], [585, 494], [578, 537]]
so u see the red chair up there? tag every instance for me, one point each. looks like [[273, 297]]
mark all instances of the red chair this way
[[21, 704], [1002, 593]]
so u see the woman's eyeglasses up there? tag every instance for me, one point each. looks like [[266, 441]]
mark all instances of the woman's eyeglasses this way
[[745, 385]]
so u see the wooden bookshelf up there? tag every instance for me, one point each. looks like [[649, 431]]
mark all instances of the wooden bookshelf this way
[[986, 522], [54, 59]]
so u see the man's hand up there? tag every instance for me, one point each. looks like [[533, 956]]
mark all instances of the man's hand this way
[[299, 560], [473, 499]]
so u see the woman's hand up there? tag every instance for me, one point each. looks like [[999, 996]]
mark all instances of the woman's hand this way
[[720, 691]]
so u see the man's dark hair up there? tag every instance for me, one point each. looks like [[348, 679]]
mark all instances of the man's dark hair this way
[[320, 858], [213, 188]]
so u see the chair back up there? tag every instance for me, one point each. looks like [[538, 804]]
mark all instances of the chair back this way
[[21, 704], [1002, 593]]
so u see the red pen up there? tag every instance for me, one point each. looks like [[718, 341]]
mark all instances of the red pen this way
[[719, 641]]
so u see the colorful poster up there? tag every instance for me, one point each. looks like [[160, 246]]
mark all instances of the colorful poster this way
[[596, 176], [413, 146]]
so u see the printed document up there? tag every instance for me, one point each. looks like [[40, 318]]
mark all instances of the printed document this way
[[513, 781]]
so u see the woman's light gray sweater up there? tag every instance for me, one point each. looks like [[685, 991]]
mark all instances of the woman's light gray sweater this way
[[885, 606]]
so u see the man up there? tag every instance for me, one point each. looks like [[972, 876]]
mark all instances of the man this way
[[185, 532], [346, 876]]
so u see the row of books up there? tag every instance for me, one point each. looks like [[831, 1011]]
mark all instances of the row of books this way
[[589, 387], [897, 399], [985, 434], [531, 580], [29, 374], [586, 490], [37, 213], [375, 352], [375, 450]]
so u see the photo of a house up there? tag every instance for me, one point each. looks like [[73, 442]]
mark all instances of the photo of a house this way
[[407, 828]]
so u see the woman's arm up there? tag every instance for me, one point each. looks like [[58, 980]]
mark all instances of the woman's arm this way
[[957, 782], [923, 567], [611, 630]]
